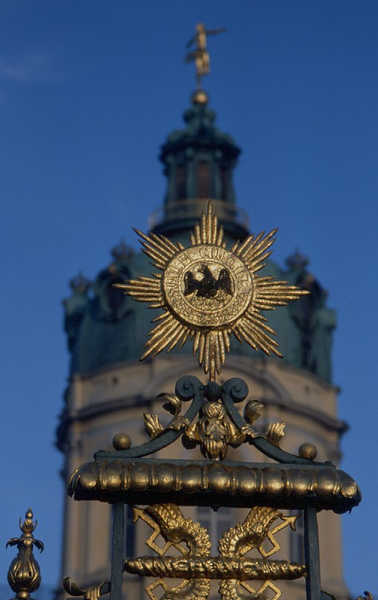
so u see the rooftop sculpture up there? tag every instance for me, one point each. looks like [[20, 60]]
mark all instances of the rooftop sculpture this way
[[200, 55]]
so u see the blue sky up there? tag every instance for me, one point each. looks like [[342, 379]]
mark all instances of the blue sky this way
[[88, 92]]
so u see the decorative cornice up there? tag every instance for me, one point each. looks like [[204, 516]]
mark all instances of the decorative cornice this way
[[249, 366], [93, 411], [331, 423]]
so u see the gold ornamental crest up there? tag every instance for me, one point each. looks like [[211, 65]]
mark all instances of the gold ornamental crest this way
[[209, 292], [207, 286]]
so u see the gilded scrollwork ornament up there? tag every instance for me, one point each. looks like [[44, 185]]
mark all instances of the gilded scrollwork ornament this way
[[213, 429], [252, 535], [92, 592], [197, 567], [189, 538]]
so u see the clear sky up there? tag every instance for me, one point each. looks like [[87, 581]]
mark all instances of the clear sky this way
[[88, 92]]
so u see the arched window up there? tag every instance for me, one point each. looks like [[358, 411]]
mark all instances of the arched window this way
[[203, 179]]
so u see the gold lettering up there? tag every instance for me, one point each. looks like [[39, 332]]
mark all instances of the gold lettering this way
[[203, 251]]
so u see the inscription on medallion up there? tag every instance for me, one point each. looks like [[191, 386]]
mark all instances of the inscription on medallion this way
[[207, 286]]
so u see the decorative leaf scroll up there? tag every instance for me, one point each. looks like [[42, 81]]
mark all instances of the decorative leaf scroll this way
[[212, 429]]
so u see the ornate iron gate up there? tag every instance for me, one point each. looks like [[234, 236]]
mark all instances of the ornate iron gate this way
[[207, 293]]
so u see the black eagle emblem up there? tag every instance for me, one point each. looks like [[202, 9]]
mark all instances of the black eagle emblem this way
[[208, 286]]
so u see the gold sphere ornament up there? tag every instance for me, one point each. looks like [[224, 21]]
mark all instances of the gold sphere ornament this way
[[209, 292], [200, 97], [308, 451], [121, 441]]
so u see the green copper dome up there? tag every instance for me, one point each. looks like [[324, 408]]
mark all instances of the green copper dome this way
[[104, 327]]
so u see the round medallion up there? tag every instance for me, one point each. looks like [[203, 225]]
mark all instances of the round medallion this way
[[207, 286]]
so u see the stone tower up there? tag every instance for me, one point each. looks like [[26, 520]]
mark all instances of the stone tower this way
[[109, 389]]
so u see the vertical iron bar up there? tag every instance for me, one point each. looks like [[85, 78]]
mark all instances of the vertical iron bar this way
[[118, 546], [311, 546]]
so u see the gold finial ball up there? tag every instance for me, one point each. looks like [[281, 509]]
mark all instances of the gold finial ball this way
[[308, 451], [200, 97], [121, 441]]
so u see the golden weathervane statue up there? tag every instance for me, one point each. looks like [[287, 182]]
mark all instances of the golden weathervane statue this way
[[200, 55]]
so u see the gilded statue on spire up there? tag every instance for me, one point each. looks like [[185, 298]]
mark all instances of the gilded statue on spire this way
[[201, 55]]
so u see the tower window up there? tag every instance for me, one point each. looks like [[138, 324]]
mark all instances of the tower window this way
[[180, 182], [203, 179]]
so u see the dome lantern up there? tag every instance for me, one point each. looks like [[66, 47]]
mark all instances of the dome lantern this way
[[199, 161]]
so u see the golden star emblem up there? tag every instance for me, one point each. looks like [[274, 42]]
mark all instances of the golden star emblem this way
[[209, 292]]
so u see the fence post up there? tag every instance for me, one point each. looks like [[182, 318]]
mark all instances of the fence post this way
[[118, 548], [311, 546]]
